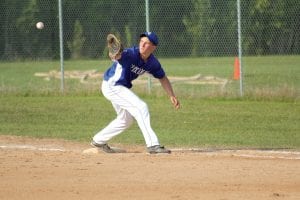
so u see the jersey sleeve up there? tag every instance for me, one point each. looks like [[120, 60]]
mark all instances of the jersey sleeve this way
[[156, 70]]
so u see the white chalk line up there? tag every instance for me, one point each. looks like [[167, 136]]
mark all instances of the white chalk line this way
[[271, 154], [265, 157], [31, 147]]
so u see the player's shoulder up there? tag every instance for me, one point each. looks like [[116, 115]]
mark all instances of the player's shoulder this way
[[154, 61], [131, 50]]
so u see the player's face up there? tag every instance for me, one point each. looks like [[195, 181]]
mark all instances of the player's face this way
[[146, 47]]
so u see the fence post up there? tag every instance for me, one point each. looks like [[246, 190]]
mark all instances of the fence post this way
[[240, 45], [61, 44], [148, 29]]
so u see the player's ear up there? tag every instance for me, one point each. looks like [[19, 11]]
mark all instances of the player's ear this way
[[153, 47]]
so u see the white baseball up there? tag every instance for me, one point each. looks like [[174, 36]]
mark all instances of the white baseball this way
[[40, 25]]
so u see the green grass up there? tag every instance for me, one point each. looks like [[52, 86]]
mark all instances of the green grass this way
[[200, 123], [263, 77], [266, 117]]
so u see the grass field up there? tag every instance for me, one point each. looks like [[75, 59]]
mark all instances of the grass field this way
[[263, 77], [267, 116]]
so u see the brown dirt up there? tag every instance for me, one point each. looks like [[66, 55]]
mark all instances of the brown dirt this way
[[57, 169], [94, 77]]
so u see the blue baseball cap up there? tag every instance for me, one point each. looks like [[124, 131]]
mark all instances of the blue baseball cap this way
[[151, 36]]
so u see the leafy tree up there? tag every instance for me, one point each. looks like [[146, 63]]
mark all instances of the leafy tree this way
[[166, 19], [75, 46], [10, 12], [271, 27], [195, 24], [185, 28]]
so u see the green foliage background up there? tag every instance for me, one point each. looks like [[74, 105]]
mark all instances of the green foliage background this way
[[186, 28]]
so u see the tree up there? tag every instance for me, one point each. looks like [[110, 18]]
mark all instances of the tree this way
[[271, 27], [75, 46]]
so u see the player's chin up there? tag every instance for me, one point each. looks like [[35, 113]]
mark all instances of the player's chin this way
[[142, 51]]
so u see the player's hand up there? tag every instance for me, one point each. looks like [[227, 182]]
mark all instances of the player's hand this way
[[175, 102]]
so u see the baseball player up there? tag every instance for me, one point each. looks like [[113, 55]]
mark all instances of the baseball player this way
[[127, 66]]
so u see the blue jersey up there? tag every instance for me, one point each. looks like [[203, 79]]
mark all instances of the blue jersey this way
[[130, 66]]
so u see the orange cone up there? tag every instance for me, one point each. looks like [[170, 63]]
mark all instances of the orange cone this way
[[236, 73]]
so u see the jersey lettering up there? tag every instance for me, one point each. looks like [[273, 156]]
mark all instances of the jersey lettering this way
[[135, 69]]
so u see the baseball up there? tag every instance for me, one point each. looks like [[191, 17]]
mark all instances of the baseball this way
[[40, 25]]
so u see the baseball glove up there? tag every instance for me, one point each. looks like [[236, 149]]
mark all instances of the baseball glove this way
[[114, 45]]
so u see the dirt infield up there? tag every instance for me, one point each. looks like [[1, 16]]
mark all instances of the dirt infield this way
[[57, 169]]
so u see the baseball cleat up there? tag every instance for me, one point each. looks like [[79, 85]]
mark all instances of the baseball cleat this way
[[158, 149], [103, 147]]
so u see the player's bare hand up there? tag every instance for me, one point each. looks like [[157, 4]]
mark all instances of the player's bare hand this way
[[175, 102]]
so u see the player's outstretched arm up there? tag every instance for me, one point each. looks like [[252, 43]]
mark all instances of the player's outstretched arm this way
[[169, 90]]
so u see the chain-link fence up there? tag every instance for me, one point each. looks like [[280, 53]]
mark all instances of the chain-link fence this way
[[186, 28]]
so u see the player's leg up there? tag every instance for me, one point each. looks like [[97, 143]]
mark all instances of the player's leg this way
[[115, 127], [127, 100], [139, 110], [141, 114]]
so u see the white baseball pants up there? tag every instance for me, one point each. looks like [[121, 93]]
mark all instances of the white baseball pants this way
[[128, 106]]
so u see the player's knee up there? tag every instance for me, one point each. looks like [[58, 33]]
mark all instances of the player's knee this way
[[140, 110], [126, 120], [143, 107]]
